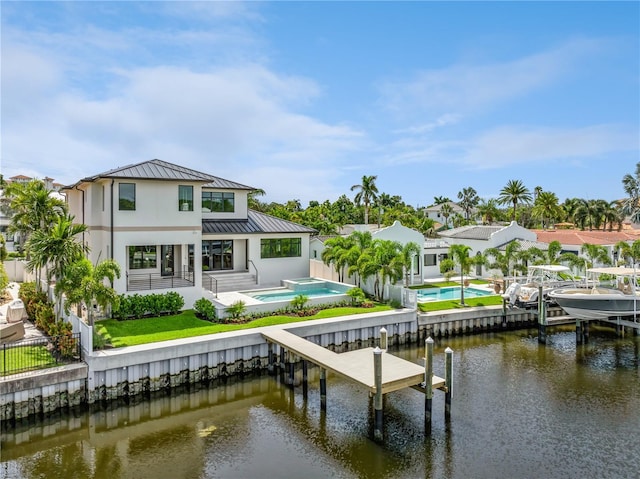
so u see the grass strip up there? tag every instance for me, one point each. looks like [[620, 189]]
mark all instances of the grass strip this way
[[187, 325], [25, 358], [455, 303]]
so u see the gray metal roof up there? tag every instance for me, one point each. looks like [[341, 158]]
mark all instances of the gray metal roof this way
[[256, 223], [475, 232], [163, 170]]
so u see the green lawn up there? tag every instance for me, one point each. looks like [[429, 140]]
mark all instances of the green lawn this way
[[186, 325], [446, 284], [455, 303], [15, 360]]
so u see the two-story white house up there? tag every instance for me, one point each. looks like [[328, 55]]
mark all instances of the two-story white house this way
[[174, 228]]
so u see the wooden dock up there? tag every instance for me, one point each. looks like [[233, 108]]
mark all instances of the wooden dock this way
[[358, 366], [375, 369]]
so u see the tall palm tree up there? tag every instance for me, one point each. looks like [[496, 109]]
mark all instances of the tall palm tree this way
[[58, 247], [547, 208], [33, 208], [446, 211], [336, 254], [631, 185], [360, 241], [253, 202], [459, 253], [367, 194], [390, 262], [408, 252], [468, 200], [505, 262], [612, 215], [513, 193], [439, 200], [589, 213]]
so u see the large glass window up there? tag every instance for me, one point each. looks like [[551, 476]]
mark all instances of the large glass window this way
[[217, 254], [218, 201], [429, 259], [185, 198], [280, 247], [143, 257], [127, 197]]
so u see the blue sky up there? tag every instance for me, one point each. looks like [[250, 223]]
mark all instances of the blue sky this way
[[302, 99]]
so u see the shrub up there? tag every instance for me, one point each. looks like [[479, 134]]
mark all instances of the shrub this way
[[236, 310], [175, 302], [357, 296], [299, 302], [45, 318], [395, 304], [99, 341], [4, 278], [205, 309]]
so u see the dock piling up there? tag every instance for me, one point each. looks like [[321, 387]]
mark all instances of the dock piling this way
[[323, 389], [542, 318], [377, 401], [448, 381], [428, 381], [383, 339]]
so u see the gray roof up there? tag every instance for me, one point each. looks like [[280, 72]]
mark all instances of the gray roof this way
[[475, 232], [162, 170], [256, 223]]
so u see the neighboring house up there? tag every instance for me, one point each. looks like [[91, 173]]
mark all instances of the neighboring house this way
[[572, 240], [482, 237], [173, 227], [435, 212]]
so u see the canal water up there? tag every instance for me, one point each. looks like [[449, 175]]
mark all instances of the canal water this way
[[520, 410]]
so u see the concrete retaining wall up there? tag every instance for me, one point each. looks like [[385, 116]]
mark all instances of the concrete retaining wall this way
[[126, 372], [42, 392]]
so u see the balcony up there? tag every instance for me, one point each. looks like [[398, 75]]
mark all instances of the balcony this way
[[148, 281]]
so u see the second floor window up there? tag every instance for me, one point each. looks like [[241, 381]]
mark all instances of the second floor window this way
[[218, 202], [185, 198], [127, 196]]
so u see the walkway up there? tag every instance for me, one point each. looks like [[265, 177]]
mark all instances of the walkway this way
[[30, 331]]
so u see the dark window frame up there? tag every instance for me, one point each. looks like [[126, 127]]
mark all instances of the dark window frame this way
[[185, 197], [124, 202], [280, 248]]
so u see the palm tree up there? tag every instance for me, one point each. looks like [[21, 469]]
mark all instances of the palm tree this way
[[488, 210], [546, 207], [631, 205], [360, 241], [408, 252], [612, 215], [33, 208], [440, 200], [468, 200], [336, 254], [595, 253], [459, 253], [85, 283], [390, 262], [446, 211], [629, 252], [513, 193], [253, 202], [589, 212], [367, 194], [504, 261]]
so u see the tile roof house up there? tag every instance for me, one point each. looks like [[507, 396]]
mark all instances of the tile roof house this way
[[173, 227]]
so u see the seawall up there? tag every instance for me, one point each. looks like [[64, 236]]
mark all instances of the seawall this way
[[130, 371]]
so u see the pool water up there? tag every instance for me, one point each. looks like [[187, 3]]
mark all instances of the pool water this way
[[453, 292], [288, 294]]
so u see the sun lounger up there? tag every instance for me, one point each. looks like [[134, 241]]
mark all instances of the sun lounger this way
[[11, 332]]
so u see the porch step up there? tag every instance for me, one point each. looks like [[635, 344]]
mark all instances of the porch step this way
[[225, 282]]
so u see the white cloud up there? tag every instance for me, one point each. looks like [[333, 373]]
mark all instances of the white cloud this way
[[465, 88]]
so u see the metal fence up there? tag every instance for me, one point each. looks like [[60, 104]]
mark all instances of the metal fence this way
[[42, 353], [147, 281]]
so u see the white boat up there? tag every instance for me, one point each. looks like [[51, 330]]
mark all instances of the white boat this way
[[549, 276], [599, 302]]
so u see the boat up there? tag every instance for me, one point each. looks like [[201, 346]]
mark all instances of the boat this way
[[620, 299], [549, 276]]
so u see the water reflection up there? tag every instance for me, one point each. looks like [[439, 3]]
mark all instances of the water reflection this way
[[519, 410]]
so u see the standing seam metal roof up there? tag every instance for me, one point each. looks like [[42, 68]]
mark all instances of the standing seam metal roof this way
[[255, 223], [163, 170], [471, 232]]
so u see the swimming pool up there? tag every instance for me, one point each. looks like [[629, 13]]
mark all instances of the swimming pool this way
[[288, 294], [453, 292]]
